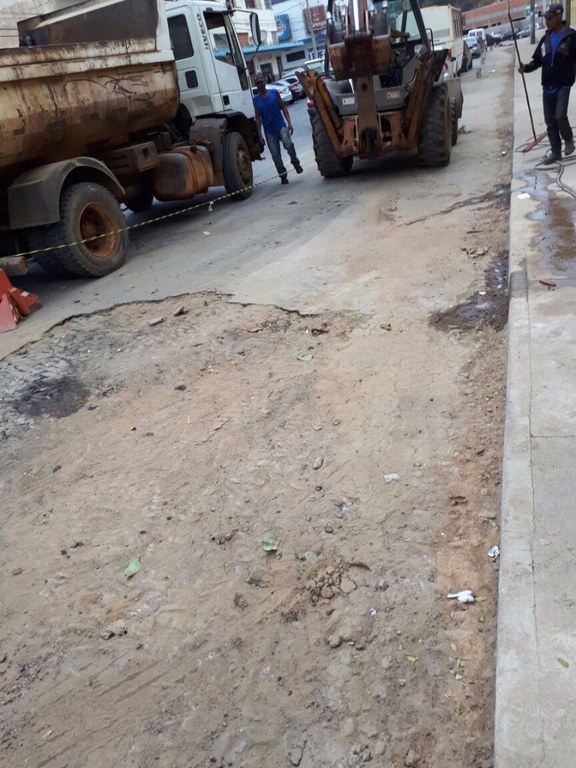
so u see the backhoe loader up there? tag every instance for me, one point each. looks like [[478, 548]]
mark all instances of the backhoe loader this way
[[385, 88]]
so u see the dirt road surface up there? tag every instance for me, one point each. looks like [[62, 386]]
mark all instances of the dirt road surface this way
[[228, 537]]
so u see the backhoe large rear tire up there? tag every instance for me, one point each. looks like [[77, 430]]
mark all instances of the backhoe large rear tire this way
[[87, 209], [436, 131], [237, 166], [329, 164]]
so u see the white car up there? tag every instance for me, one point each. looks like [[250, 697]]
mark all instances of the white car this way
[[283, 90]]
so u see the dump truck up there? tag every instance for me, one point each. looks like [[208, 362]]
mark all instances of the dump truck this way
[[106, 104], [384, 88]]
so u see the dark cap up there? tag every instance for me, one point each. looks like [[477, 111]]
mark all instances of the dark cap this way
[[259, 78], [553, 9]]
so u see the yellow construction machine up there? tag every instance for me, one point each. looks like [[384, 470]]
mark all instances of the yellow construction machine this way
[[384, 88]]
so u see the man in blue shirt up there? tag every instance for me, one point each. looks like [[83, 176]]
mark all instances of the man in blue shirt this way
[[556, 54], [270, 112]]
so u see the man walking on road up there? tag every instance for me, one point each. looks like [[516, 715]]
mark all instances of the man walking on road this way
[[270, 113], [556, 54]]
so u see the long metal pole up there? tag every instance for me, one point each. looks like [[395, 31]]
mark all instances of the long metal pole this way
[[522, 73]]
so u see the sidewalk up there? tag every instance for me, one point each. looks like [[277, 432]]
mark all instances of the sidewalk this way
[[536, 653]]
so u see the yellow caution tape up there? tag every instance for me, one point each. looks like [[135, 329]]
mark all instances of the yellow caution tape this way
[[128, 227]]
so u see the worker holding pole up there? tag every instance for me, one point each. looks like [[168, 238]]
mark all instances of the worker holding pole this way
[[556, 54]]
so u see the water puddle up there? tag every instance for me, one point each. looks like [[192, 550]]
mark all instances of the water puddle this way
[[488, 306]]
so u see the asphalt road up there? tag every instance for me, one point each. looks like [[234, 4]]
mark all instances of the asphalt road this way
[[242, 248]]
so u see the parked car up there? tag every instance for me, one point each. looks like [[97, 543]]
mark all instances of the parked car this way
[[292, 80], [467, 59], [493, 38], [523, 33], [295, 89], [283, 90], [473, 47]]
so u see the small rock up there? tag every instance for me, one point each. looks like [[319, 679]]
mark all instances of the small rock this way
[[91, 407], [116, 629], [411, 759], [379, 748], [181, 310], [16, 571], [329, 528], [295, 756], [255, 577], [56, 467], [348, 727], [327, 593], [347, 585], [180, 387], [330, 570], [386, 662], [3, 658], [335, 641], [318, 463], [369, 729], [155, 321]]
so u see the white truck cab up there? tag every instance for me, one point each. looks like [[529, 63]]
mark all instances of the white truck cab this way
[[212, 75]]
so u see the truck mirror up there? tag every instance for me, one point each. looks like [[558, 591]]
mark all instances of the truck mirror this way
[[255, 29]]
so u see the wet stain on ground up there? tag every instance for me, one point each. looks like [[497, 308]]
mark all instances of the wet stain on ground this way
[[486, 307], [57, 397], [556, 218], [500, 196]]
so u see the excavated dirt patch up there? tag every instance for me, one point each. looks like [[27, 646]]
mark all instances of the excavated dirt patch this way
[[196, 444]]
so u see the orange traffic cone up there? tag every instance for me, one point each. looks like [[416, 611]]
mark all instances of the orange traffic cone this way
[[14, 304]]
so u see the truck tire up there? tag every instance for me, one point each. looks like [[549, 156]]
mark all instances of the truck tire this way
[[140, 203], [329, 164], [37, 238], [86, 209], [237, 166], [435, 132], [453, 122]]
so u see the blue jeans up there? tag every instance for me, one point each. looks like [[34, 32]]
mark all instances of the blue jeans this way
[[273, 140], [556, 118]]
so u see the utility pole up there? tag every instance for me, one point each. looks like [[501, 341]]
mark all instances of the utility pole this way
[[312, 33]]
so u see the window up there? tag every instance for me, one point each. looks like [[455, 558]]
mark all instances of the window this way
[[296, 56], [180, 38], [225, 43]]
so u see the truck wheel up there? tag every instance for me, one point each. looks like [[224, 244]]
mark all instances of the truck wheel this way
[[140, 203], [237, 166], [86, 209], [435, 132], [329, 164], [453, 122], [37, 238]]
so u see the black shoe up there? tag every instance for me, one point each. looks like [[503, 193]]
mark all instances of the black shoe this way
[[550, 158], [284, 178], [298, 168]]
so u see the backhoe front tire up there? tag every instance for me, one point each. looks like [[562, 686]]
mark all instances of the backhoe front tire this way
[[436, 132], [329, 164], [87, 209], [237, 166]]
